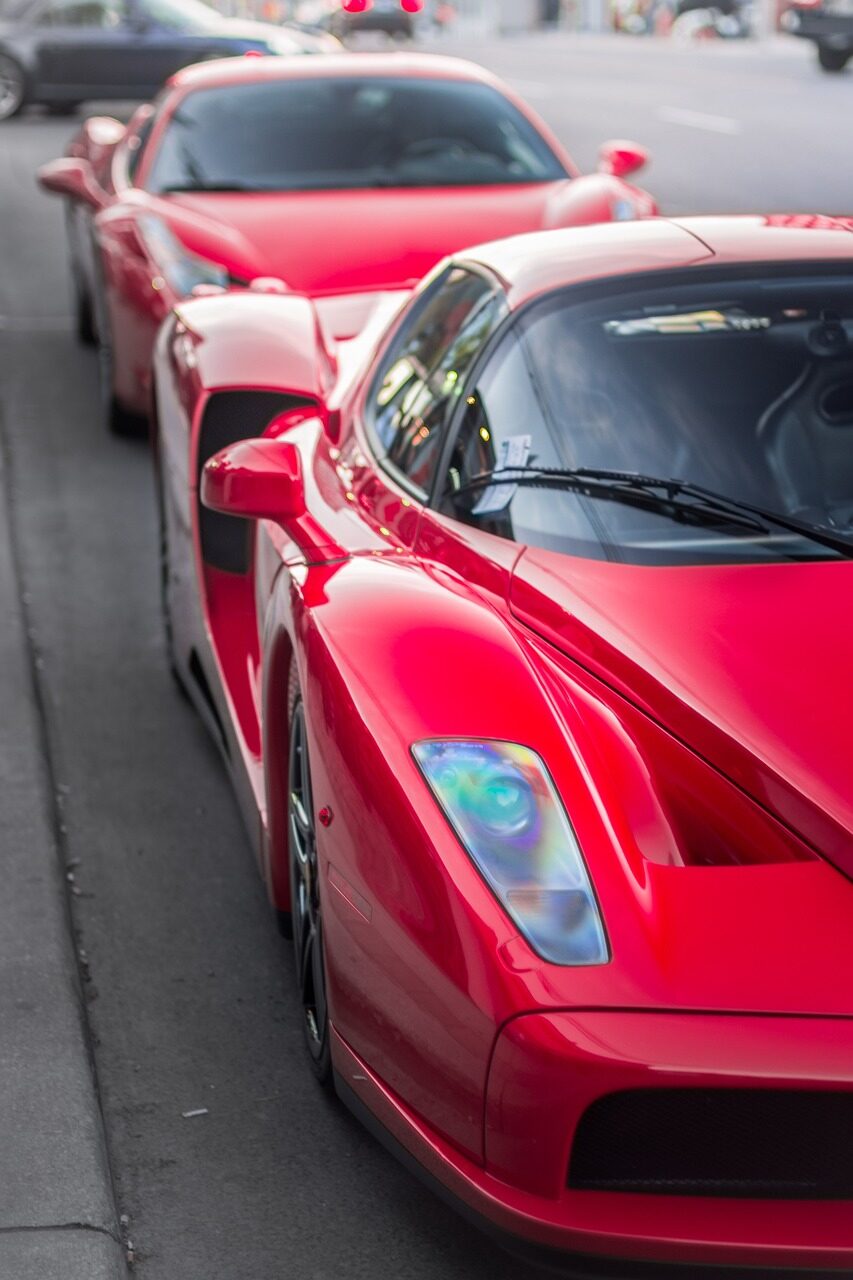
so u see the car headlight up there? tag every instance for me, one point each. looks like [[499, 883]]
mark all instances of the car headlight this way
[[181, 269], [503, 806]]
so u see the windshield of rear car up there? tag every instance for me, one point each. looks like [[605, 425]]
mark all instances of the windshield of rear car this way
[[743, 387], [349, 132]]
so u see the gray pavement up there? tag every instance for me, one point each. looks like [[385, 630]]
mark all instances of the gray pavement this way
[[188, 1001], [57, 1212]]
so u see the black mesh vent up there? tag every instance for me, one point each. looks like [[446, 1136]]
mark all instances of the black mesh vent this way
[[230, 416], [769, 1143]]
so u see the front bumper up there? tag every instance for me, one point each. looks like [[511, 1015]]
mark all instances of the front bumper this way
[[547, 1068]]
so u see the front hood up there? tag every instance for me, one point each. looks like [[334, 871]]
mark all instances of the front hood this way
[[342, 241], [748, 665]]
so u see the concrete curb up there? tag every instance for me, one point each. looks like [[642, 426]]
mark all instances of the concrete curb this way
[[57, 1209]]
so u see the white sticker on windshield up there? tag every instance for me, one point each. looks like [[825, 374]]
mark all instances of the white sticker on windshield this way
[[512, 452]]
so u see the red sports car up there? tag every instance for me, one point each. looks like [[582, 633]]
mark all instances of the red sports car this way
[[523, 620], [328, 174]]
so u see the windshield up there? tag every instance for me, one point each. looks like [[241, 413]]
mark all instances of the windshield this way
[[741, 388], [349, 132]]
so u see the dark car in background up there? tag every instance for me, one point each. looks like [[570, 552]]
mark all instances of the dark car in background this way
[[60, 53], [386, 16], [829, 24]]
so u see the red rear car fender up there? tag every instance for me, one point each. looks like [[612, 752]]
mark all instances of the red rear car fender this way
[[596, 197], [253, 341]]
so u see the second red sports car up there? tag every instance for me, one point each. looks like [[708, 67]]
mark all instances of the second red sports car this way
[[523, 620], [327, 174]]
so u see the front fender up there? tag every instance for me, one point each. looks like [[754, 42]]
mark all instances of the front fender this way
[[252, 341]]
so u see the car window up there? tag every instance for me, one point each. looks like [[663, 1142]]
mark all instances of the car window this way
[[102, 14], [182, 15], [728, 388], [350, 132], [423, 375]]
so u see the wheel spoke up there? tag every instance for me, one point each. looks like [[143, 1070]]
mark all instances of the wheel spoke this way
[[300, 816]]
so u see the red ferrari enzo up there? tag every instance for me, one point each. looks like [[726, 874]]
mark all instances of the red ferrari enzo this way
[[322, 175], [523, 622]]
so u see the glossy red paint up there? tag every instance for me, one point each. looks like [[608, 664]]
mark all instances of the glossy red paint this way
[[693, 720], [393, 237]]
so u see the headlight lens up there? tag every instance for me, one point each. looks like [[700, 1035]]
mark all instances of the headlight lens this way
[[181, 269], [505, 810]]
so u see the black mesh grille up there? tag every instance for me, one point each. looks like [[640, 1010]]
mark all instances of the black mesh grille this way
[[770, 1143], [230, 416]]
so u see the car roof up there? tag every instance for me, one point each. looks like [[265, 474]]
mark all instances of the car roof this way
[[543, 261], [251, 70]]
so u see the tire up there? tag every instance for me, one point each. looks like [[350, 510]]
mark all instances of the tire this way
[[832, 60], [117, 420], [84, 315], [13, 87], [306, 910], [165, 573], [84, 320]]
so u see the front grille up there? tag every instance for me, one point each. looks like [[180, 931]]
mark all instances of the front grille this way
[[770, 1143]]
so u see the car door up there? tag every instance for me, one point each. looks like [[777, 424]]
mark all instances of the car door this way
[[81, 46], [170, 34], [417, 383]]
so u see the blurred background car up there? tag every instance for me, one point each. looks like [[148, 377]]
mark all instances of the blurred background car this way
[[390, 17], [361, 172], [829, 24], [60, 53]]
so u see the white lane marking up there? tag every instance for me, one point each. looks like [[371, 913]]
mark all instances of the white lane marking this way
[[699, 120], [35, 324]]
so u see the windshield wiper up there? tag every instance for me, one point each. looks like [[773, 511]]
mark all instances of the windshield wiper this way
[[660, 495]]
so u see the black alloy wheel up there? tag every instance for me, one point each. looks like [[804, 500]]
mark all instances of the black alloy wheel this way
[[305, 898]]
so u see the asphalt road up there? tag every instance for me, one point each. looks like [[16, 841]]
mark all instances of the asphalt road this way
[[189, 994]]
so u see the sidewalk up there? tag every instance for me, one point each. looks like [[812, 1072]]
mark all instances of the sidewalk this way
[[57, 1213]]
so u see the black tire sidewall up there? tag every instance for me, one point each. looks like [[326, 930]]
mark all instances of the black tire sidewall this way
[[321, 1066], [25, 86]]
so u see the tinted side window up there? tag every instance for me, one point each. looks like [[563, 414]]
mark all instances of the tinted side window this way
[[82, 13], [502, 425], [424, 374]]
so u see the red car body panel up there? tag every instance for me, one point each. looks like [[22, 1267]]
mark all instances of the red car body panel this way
[[316, 242], [666, 702]]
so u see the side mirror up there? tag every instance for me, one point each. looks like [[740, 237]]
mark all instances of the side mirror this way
[[619, 158], [73, 178], [258, 479]]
